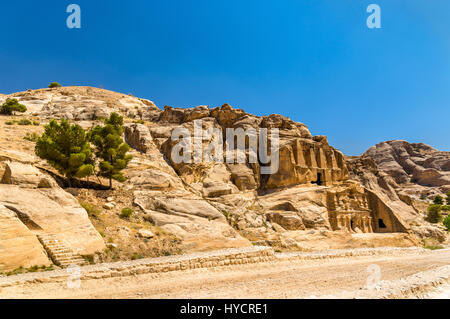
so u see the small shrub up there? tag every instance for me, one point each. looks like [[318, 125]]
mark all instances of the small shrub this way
[[24, 122], [92, 210], [434, 214], [10, 123], [36, 123], [423, 197], [32, 137], [226, 214], [445, 208], [136, 256], [90, 259], [446, 222], [22, 270], [433, 247], [11, 106], [438, 200], [126, 213], [448, 198], [54, 85]]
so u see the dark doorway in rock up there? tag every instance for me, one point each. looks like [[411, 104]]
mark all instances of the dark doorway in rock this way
[[381, 223], [319, 179], [351, 224]]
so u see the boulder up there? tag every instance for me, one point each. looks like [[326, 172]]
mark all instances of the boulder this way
[[138, 137], [145, 233], [242, 176], [429, 231], [154, 179], [26, 175], [287, 220], [216, 189], [195, 221]]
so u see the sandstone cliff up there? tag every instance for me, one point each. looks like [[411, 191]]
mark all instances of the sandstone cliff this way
[[407, 176], [312, 201]]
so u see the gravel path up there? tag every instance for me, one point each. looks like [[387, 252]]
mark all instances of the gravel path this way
[[283, 278]]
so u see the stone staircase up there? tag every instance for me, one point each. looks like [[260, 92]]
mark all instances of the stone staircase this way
[[59, 253]]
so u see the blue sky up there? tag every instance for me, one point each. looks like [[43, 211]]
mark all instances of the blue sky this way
[[314, 61]]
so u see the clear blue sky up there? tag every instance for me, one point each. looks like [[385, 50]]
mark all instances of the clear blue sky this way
[[314, 61]]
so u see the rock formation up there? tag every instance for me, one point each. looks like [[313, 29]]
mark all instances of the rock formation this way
[[315, 199], [32, 204], [405, 176]]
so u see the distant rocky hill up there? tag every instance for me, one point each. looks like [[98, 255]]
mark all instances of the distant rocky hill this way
[[316, 199], [415, 163], [408, 175]]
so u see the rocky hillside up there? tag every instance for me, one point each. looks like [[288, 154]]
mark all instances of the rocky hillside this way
[[415, 163], [408, 175], [314, 200]]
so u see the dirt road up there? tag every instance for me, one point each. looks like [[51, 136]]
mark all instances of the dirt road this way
[[278, 279]]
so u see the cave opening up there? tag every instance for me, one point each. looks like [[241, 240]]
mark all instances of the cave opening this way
[[381, 223], [319, 179]]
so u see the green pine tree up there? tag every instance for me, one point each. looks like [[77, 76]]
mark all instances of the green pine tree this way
[[11, 106], [438, 200], [434, 214], [66, 147], [111, 149]]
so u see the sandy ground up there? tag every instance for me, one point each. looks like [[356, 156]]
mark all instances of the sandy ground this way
[[440, 293], [278, 279]]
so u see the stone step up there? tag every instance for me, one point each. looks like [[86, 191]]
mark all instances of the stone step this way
[[58, 246], [59, 253], [61, 256]]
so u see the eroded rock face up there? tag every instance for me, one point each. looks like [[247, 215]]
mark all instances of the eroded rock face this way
[[200, 225], [138, 137], [403, 175], [18, 245], [404, 171], [33, 203], [310, 190], [218, 204], [412, 163], [429, 231], [304, 161], [84, 104]]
